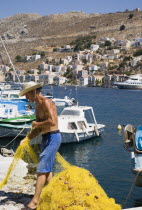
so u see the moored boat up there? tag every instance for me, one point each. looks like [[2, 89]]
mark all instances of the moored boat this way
[[78, 123], [133, 143], [133, 82], [73, 122]]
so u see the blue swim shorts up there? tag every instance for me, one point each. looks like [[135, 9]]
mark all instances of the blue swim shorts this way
[[50, 145]]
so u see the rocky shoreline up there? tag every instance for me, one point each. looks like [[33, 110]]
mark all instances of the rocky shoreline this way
[[19, 189]]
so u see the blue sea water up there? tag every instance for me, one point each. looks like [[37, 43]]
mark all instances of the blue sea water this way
[[105, 156]]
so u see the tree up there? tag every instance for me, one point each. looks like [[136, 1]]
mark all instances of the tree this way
[[18, 58], [131, 16], [122, 27], [107, 43], [42, 54]]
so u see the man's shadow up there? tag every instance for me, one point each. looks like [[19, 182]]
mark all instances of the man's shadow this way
[[17, 198]]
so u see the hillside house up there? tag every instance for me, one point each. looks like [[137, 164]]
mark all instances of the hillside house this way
[[22, 78], [49, 59], [59, 80], [4, 68], [8, 76], [91, 81], [35, 57], [27, 78], [43, 66], [60, 68], [67, 60], [135, 60], [109, 80], [113, 51], [20, 71], [27, 58], [77, 67], [103, 66], [82, 73], [83, 81], [35, 77], [97, 57], [93, 69], [94, 47], [33, 71], [46, 78]]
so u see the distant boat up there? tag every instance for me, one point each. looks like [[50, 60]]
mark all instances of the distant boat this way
[[66, 101], [134, 82]]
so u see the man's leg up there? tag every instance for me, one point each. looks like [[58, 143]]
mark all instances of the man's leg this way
[[42, 178]]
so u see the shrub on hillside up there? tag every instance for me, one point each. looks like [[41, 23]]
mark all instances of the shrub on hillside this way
[[122, 27], [137, 52]]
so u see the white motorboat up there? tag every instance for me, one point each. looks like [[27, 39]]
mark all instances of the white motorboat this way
[[11, 111], [133, 82], [75, 125], [66, 101], [11, 95]]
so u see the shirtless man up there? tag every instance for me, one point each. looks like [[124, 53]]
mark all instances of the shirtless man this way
[[47, 123]]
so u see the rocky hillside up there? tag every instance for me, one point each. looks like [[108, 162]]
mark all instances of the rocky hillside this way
[[23, 32]]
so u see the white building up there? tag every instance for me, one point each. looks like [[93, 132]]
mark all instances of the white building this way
[[35, 77], [94, 47], [59, 80], [67, 47], [83, 81], [91, 81], [43, 66], [36, 57], [46, 78], [4, 68], [135, 60], [77, 67]]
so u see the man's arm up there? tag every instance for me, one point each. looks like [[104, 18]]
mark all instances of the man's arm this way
[[34, 132]]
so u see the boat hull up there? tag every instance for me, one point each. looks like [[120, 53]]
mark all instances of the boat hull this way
[[128, 86], [21, 131]]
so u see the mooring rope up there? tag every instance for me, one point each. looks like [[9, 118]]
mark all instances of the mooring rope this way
[[128, 196], [13, 139]]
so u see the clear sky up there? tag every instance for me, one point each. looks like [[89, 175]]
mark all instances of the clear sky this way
[[46, 7]]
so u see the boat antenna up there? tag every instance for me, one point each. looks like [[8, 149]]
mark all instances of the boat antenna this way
[[10, 59]]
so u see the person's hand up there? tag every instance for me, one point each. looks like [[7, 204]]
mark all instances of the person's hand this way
[[34, 124], [26, 139]]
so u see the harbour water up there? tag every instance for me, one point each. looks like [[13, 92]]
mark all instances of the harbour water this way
[[105, 156]]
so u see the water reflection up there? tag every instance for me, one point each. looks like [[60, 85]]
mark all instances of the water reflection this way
[[81, 153]]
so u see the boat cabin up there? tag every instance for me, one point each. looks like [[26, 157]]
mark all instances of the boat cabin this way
[[11, 95]]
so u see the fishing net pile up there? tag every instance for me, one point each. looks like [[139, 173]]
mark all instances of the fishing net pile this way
[[73, 188]]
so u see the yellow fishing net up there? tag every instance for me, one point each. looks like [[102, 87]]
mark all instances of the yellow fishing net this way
[[73, 188]]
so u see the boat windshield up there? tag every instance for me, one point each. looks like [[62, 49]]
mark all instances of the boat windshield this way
[[70, 112], [4, 95], [14, 96]]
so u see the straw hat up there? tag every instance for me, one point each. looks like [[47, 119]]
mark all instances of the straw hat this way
[[30, 86]]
